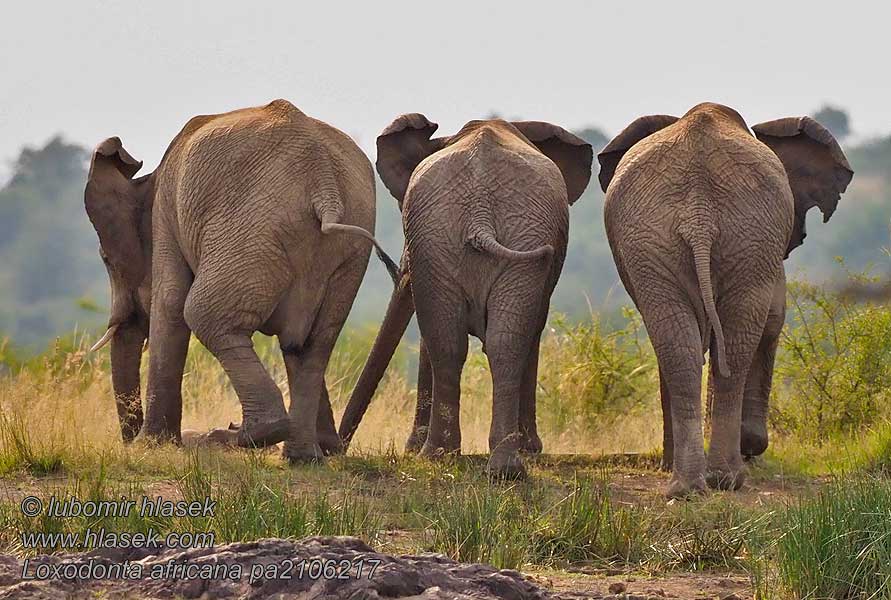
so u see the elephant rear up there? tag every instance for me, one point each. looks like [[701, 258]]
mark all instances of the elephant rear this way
[[701, 207], [700, 215], [500, 223]]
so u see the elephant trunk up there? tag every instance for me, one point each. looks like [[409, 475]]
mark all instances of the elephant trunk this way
[[399, 313], [126, 353]]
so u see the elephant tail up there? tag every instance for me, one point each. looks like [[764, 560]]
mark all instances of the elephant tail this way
[[482, 237], [701, 248], [330, 218], [486, 242]]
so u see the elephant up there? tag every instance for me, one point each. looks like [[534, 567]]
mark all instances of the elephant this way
[[485, 216], [700, 215], [238, 230]]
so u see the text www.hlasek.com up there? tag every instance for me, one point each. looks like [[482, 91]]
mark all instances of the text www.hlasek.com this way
[[101, 538]]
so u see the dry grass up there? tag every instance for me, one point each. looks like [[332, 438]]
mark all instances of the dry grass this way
[[598, 394], [65, 399]]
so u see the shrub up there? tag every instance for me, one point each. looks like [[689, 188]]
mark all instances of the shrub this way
[[833, 369], [592, 375]]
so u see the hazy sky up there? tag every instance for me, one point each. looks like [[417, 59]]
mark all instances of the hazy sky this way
[[139, 70]]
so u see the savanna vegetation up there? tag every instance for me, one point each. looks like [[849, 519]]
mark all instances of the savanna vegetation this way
[[813, 522]]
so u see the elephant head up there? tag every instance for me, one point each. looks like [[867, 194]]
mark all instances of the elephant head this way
[[119, 208], [401, 148], [817, 169]]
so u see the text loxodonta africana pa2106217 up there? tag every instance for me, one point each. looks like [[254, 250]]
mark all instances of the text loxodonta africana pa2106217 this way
[[699, 216], [485, 214], [235, 232]]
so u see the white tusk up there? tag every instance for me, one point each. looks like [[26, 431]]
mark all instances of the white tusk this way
[[104, 339], [145, 346]]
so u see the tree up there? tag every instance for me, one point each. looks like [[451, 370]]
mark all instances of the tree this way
[[835, 120], [48, 257], [594, 136]]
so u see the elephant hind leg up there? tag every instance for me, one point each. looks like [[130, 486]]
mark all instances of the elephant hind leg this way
[[508, 351], [753, 436], [326, 430], [212, 320], [667, 431], [530, 442], [744, 323], [168, 341], [311, 417], [513, 331], [674, 331], [443, 326], [425, 399]]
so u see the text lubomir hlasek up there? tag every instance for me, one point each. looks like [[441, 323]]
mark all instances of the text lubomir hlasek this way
[[145, 507]]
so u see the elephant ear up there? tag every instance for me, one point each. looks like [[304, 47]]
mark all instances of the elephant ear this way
[[613, 152], [815, 164], [570, 153], [115, 209], [401, 148]]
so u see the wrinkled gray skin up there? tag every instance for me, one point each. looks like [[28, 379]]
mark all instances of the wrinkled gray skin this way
[[485, 215], [240, 229], [699, 216]]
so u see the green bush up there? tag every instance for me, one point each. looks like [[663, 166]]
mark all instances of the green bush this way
[[833, 369], [589, 372]]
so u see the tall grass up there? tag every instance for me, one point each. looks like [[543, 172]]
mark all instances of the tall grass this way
[[60, 404], [582, 523], [598, 393], [836, 545]]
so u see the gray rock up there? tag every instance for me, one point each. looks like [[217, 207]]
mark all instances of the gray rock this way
[[332, 568]]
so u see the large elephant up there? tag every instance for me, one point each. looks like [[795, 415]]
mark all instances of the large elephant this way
[[485, 214], [700, 215], [234, 232]]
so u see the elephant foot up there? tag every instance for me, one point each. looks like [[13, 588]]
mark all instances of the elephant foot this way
[[506, 465], [331, 444], [667, 462], [191, 438], [416, 440], [683, 487], [530, 443], [301, 454], [753, 441], [730, 480], [156, 438], [130, 430], [259, 434], [436, 451]]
